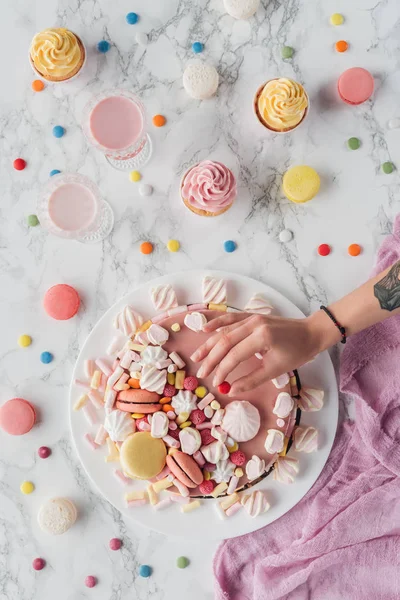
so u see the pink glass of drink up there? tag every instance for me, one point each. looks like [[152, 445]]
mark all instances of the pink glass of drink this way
[[114, 122], [71, 207]]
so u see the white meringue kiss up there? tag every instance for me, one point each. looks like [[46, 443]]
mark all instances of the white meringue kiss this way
[[283, 405], [159, 425], [274, 441], [157, 335], [190, 440], [223, 471], [152, 355], [215, 452], [255, 468], [184, 402], [118, 425], [241, 420], [195, 321], [153, 380]]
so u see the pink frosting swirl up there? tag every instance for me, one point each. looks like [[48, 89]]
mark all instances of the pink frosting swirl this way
[[209, 186]]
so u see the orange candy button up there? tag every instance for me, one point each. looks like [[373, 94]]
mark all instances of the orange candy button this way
[[341, 46], [146, 248], [37, 85], [167, 407], [159, 120], [354, 250]]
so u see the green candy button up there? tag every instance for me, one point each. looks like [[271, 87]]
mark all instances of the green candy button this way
[[287, 52], [388, 168], [182, 562], [353, 143], [33, 221]]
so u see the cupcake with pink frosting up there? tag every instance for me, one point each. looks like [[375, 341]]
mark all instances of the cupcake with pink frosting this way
[[208, 189]]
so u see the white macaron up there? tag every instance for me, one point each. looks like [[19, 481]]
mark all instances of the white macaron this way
[[241, 9], [200, 80], [57, 516]]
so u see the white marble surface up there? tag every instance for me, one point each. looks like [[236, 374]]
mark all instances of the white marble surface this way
[[357, 204]]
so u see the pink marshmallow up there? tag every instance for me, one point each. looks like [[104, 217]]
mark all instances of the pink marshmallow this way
[[179, 499], [96, 399], [174, 356], [101, 435], [90, 414], [197, 307], [89, 368], [104, 367], [205, 425], [133, 503], [122, 478], [173, 426], [233, 509], [162, 504], [171, 415], [170, 441], [233, 483], [164, 473], [199, 458], [182, 489], [82, 384], [177, 310], [112, 380], [90, 441], [159, 318], [206, 401]]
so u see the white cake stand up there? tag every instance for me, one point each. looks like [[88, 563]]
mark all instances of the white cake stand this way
[[204, 523]]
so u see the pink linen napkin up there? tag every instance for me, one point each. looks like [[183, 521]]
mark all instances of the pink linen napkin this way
[[342, 541]]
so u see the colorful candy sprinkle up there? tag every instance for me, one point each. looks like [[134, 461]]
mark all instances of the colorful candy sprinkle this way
[[336, 19], [388, 167], [146, 248], [44, 452], [19, 164], [37, 85], [32, 221], [27, 487], [159, 120], [324, 250], [58, 131], [115, 544], [46, 358], [224, 387], [197, 47], [135, 176], [90, 581], [132, 18], [145, 189], [38, 564], [354, 249], [173, 245], [341, 46], [103, 46], [182, 562], [353, 143], [285, 236], [24, 340], [54, 172], [142, 38], [230, 246], [145, 571], [287, 52]]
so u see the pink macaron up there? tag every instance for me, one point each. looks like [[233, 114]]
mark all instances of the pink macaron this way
[[138, 401], [17, 416], [61, 302], [185, 469], [355, 85]]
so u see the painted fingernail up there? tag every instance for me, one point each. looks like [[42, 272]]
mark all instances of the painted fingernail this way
[[200, 372], [194, 356]]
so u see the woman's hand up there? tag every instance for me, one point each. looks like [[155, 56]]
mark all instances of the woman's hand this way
[[285, 344]]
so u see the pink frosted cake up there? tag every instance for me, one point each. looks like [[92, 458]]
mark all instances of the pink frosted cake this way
[[188, 440]]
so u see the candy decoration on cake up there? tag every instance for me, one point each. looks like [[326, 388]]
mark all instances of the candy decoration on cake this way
[[286, 469], [215, 452], [259, 305], [255, 504], [128, 321], [214, 290], [283, 405], [164, 297], [281, 381], [157, 335], [119, 425], [190, 440], [152, 355], [306, 439], [241, 420], [274, 442], [184, 402], [255, 468], [153, 380], [195, 321], [311, 399], [223, 471]]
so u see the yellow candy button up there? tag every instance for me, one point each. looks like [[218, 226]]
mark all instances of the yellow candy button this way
[[173, 245], [301, 184], [27, 487], [200, 391], [336, 19], [135, 176], [24, 341]]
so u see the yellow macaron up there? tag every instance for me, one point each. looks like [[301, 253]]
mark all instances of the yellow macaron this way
[[301, 184], [143, 456]]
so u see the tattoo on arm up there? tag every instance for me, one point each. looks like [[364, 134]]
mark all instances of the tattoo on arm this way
[[387, 290]]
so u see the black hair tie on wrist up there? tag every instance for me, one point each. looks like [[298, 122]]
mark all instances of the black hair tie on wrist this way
[[336, 323]]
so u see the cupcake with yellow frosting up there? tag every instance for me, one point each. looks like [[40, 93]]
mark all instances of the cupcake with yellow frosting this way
[[57, 54], [281, 104]]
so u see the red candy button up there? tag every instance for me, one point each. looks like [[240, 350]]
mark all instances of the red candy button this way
[[19, 164], [224, 387], [324, 250]]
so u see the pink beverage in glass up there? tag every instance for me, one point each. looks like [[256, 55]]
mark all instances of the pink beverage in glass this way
[[72, 207], [116, 123]]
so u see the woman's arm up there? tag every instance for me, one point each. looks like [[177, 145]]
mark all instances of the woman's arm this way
[[287, 344]]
